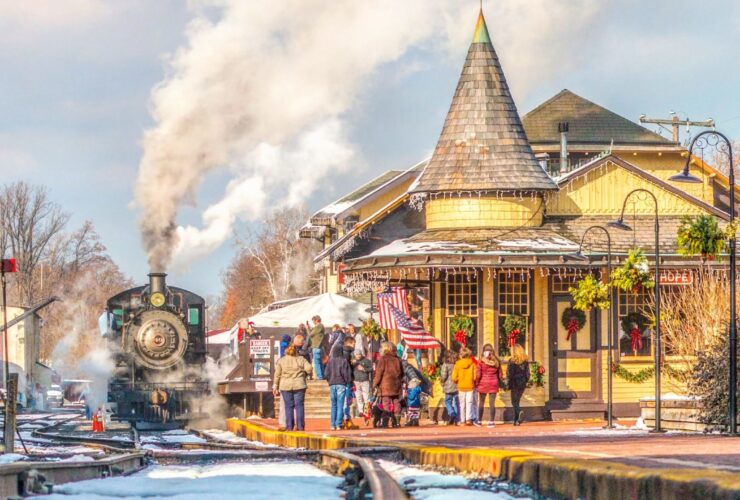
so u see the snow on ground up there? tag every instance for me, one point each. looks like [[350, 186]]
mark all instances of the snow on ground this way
[[224, 481], [430, 485], [173, 437], [230, 437]]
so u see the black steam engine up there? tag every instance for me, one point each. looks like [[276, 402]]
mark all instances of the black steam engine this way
[[159, 344]]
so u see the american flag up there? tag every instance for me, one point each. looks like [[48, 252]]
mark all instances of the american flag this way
[[413, 333], [396, 297]]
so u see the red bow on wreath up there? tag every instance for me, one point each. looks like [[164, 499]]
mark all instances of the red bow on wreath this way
[[573, 327], [512, 336], [636, 337], [461, 338]]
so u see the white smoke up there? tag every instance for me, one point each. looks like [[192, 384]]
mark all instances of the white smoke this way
[[267, 89]]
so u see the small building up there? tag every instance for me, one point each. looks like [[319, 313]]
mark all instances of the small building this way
[[23, 346], [487, 228]]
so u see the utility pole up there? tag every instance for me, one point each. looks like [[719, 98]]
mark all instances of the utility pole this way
[[675, 122]]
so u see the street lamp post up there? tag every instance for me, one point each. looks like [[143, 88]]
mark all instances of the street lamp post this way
[[716, 139], [579, 254], [619, 224]]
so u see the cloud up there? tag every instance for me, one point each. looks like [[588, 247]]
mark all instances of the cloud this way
[[24, 20], [268, 91]]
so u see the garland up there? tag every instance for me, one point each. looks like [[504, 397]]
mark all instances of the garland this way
[[536, 374], [646, 373], [589, 293], [371, 329], [634, 275], [573, 321], [515, 325]]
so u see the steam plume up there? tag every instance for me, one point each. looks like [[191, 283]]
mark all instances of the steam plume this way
[[266, 89]]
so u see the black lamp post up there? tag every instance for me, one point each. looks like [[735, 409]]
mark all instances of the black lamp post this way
[[579, 255], [714, 139], [619, 224]]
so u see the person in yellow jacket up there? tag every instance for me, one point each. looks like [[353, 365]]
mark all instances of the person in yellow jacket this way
[[463, 374]]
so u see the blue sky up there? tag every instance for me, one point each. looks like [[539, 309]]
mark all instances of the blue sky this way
[[77, 76]]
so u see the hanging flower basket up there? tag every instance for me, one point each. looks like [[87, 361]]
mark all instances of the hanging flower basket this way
[[515, 326], [371, 329], [589, 293], [634, 275], [573, 320], [701, 235]]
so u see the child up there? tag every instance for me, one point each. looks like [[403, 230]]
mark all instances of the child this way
[[463, 374], [413, 399], [452, 403], [362, 369]]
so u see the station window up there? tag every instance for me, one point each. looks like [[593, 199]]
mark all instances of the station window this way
[[462, 298], [561, 282], [513, 298], [636, 304]]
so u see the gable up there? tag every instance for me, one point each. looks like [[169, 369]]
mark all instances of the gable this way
[[601, 188], [588, 123]]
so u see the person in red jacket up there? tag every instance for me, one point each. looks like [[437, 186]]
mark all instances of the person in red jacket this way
[[487, 382]]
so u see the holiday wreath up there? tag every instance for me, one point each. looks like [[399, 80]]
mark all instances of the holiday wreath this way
[[514, 326], [573, 320]]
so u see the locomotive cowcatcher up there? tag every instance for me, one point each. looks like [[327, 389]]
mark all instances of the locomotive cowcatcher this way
[[159, 345]]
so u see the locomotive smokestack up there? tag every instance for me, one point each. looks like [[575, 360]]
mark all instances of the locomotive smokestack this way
[[157, 283]]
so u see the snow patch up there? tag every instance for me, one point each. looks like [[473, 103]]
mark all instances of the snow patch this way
[[9, 458], [224, 481]]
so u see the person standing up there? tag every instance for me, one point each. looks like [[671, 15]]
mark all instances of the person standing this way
[[449, 387], [339, 376], [291, 372], [284, 344], [361, 346], [361, 372], [518, 374], [315, 343], [487, 383], [463, 374], [388, 380]]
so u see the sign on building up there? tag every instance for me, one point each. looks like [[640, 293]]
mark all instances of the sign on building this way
[[670, 277]]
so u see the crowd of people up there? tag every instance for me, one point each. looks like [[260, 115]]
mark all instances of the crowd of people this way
[[384, 385]]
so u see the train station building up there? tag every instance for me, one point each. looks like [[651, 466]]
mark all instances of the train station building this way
[[489, 228]]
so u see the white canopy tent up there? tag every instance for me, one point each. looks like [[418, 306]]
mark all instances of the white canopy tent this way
[[331, 307]]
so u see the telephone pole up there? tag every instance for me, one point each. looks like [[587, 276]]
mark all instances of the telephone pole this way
[[675, 122]]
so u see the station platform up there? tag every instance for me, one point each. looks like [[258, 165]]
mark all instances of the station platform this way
[[583, 440]]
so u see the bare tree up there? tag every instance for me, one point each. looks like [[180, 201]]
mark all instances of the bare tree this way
[[272, 264], [30, 223]]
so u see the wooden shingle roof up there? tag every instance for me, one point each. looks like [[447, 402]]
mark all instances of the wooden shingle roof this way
[[588, 123], [483, 146]]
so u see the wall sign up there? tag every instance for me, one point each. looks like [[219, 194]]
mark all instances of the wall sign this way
[[259, 348], [669, 277]]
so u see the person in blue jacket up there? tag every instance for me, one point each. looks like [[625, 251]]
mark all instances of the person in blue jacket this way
[[413, 401]]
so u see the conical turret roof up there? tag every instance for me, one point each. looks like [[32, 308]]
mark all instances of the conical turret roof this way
[[483, 146]]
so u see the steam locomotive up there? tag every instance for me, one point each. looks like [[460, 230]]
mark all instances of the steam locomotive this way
[[159, 348]]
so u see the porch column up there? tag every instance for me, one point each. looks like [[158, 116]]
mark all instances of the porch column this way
[[489, 311]]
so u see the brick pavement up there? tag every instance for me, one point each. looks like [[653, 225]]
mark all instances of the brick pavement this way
[[577, 439]]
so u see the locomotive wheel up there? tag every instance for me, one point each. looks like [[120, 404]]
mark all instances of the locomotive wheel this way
[[160, 341]]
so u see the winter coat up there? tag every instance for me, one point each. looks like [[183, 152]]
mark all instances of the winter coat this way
[[413, 398], [488, 376], [316, 337], [291, 373], [518, 375], [410, 373], [364, 374], [445, 378], [336, 337], [284, 343], [463, 374], [388, 375], [338, 370]]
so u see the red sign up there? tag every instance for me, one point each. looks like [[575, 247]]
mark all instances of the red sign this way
[[8, 266], [669, 277]]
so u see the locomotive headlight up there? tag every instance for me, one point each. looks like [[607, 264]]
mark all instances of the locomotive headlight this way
[[157, 299]]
